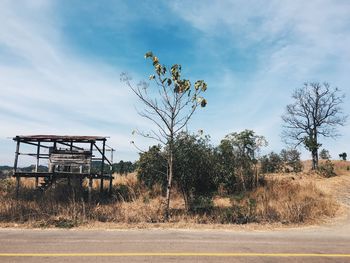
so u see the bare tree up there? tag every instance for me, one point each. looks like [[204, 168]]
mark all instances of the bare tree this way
[[169, 104], [315, 113]]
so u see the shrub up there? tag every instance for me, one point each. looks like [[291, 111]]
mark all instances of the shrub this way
[[237, 160], [343, 156], [291, 160], [324, 154], [152, 168], [271, 163], [327, 169], [201, 204], [194, 168]]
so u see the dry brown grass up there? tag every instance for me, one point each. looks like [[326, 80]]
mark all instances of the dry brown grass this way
[[284, 199], [288, 201]]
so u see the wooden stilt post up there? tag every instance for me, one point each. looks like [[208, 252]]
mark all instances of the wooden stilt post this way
[[111, 169], [15, 169], [102, 164], [37, 166], [90, 188], [110, 185]]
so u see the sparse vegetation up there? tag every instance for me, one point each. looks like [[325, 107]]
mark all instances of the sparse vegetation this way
[[169, 104], [271, 163], [287, 161], [324, 154], [278, 199], [343, 156], [326, 169], [315, 112]]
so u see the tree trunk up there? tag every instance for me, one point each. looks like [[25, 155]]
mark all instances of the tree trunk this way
[[315, 151], [185, 195], [314, 159], [242, 179], [170, 178]]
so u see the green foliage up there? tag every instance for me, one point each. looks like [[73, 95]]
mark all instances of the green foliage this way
[[152, 168], [291, 160], [327, 169], [324, 154], [200, 169], [225, 166], [343, 156], [124, 167], [311, 144], [194, 167], [271, 163], [201, 204], [173, 79], [96, 167], [237, 161]]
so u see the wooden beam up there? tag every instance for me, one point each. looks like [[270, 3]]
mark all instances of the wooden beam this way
[[91, 149], [15, 169], [102, 154], [60, 175], [110, 184], [35, 144], [37, 165], [71, 146], [103, 164], [16, 158]]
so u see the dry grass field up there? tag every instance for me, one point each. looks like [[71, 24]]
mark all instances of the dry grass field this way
[[303, 198]]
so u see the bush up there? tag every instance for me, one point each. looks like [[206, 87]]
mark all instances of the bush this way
[[152, 168], [324, 154], [343, 156], [327, 169], [236, 160], [291, 160], [201, 204], [194, 168], [271, 163]]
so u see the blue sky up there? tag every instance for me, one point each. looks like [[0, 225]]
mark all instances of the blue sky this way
[[60, 63]]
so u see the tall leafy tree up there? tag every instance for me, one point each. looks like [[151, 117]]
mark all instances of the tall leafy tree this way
[[316, 112], [324, 154], [291, 160], [239, 150], [169, 104]]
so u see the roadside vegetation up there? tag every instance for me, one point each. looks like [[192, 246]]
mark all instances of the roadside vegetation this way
[[213, 185], [227, 183]]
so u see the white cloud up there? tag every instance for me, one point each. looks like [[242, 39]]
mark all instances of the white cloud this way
[[293, 42], [48, 89]]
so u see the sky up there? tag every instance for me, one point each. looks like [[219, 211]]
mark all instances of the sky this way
[[60, 64]]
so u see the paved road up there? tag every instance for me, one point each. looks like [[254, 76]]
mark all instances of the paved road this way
[[300, 245]]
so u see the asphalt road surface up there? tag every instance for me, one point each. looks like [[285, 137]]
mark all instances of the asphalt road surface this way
[[318, 244]]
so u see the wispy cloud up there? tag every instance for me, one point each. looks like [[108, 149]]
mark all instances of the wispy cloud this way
[[48, 89], [60, 63], [286, 44]]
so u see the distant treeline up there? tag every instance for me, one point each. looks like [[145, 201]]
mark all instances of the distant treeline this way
[[122, 167]]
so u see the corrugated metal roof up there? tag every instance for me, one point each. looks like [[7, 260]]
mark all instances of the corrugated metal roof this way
[[52, 138]]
